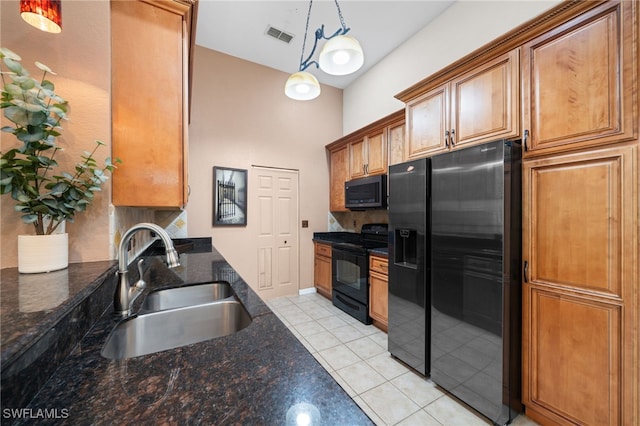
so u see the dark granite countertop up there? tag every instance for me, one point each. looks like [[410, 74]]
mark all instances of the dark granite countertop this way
[[33, 303], [336, 237], [382, 251], [255, 376]]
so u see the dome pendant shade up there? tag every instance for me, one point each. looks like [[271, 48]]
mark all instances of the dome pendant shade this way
[[45, 15], [302, 86], [341, 55]]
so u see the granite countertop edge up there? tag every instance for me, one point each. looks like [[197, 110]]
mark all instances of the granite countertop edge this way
[[255, 375], [13, 348]]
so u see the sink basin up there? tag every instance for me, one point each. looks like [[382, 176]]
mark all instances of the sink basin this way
[[169, 329], [172, 298]]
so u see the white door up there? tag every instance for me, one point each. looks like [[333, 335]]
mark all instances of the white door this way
[[275, 211]]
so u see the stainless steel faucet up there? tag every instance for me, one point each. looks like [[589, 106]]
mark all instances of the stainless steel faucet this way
[[126, 294]]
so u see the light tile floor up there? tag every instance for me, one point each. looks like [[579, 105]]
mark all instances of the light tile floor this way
[[356, 356]]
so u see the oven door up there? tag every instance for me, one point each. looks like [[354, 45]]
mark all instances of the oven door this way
[[350, 270]]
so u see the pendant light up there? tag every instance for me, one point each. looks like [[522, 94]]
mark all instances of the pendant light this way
[[302, 86], [341, 55], [46, 15]]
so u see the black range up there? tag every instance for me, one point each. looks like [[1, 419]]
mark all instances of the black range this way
[[350, 267]]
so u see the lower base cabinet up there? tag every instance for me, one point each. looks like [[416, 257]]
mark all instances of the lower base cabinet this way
[[378, 291], [322, 269]]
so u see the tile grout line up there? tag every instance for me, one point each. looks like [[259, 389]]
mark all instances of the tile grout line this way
[[353, 394]]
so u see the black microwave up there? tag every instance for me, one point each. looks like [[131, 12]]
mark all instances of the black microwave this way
[[366, 193]]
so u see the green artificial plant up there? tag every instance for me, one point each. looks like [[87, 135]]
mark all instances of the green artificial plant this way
[[44, 196]]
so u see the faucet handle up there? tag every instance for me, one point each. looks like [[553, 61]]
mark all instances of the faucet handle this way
[[141, 283]]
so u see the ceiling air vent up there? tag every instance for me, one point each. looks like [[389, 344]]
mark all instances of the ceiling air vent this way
[[279, 34]]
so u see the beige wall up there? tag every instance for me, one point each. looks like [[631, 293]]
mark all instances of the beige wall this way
[[80, 56], [241, 117]]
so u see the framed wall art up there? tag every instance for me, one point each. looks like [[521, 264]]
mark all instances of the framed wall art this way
[[229, 196]]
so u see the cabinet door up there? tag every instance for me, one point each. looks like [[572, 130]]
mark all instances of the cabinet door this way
[[148, 114], [338, 176], [428, 122], [322, 275], [395, 137], [378, 298], [573, 371], [579, 81], [377, 155], [358, 158], [485, 102], [580, 309]]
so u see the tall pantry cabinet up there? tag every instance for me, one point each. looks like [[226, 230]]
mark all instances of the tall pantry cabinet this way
[[580, 220]]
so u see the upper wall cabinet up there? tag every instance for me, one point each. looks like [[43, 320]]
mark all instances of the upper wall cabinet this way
[[365, 152], [150, 42], [396, 132], [478, 106], [578, 82], [368, 156], [338, 175]]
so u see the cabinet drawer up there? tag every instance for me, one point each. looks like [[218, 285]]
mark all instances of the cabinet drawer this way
[[379, 264], [323, 250]]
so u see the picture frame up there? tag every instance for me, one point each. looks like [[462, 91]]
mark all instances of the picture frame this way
[[229, 196]]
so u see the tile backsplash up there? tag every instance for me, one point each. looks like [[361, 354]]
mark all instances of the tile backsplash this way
[[123, 218], [353, 221]]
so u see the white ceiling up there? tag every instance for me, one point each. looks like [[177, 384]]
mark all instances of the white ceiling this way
[[238, 28]]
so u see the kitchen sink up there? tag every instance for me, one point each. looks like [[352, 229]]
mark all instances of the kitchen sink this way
[[168, 329], [172, 298]]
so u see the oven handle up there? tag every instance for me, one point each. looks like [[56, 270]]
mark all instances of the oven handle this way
[[346, 302]]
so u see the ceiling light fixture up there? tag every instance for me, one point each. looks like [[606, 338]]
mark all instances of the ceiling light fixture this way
[[341, 55], [46, 15]]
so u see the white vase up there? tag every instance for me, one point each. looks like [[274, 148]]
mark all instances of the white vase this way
[[42, 253]]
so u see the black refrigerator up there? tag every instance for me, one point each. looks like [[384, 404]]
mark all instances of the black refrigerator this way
[[475, 277], [408, 328]]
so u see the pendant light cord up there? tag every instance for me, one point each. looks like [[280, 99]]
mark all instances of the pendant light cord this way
[[304, 42], [344, 27]]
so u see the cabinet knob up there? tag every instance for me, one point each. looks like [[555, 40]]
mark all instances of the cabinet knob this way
[[453, 142], [446, 138], [525, 139]]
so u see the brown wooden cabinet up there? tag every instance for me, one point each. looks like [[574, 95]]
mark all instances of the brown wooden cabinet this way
[[578, 82], [396, 136], [580, 304], [149, 101], [580, 220], [427, 123], [338, 175], [378, 291], [368, 156], [364, 152], [478, 106], [322, 268]]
